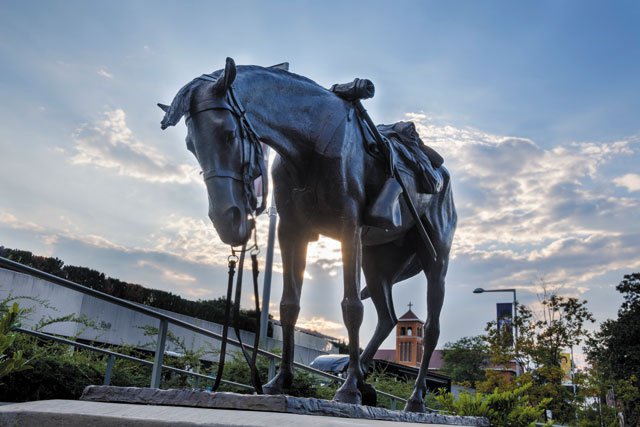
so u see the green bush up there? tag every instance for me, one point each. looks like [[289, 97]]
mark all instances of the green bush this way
[[510, 408], [11, 359], [56, 373]]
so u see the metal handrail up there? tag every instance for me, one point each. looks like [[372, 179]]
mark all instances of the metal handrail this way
[[165, 319], [44, 336]]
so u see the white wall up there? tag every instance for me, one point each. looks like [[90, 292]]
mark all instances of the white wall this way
[[119, 325]]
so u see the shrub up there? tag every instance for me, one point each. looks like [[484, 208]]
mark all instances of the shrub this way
[[11, 359], [510, 408]]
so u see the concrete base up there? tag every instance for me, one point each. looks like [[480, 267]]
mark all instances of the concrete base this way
[[71, 413], [266, 403]]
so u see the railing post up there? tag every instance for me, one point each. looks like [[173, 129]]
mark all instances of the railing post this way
[[272, 368], [394, 404], [197, 383], [156, 374], [107, 374]]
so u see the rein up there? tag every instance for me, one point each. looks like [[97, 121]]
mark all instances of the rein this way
[[234, 304]]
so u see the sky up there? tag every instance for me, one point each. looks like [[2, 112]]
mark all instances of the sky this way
[[534, 106]]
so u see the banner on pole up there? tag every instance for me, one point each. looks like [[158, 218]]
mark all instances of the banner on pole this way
[[504, 311]]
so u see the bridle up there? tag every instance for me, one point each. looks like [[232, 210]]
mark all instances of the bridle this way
[[252, 153], [253, 165]]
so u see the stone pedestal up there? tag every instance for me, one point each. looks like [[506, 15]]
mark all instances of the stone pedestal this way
[[275, 404]]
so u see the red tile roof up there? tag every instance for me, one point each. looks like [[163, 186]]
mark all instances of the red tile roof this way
[[409, 316]]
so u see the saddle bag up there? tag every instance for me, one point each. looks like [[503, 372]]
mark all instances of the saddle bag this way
[[385, 211]]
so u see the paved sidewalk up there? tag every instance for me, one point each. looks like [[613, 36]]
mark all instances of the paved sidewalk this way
[[74, 413]]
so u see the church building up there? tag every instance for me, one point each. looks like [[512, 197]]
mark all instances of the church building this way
[[409, 345]]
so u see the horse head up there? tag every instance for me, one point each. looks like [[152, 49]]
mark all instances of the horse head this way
[[224, 147]]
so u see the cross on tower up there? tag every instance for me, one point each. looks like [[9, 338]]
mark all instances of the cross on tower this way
[[410, 305]]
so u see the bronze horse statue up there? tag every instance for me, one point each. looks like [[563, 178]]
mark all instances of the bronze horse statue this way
[[324, 182]]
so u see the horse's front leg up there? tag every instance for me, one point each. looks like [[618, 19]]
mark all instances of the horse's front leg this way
[[352, 312], [293, 246]]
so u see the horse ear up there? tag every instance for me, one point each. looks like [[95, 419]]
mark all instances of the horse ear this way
[[163, 107], [281, 66], [226, 79]]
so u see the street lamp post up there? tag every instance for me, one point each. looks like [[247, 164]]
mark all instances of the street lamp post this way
[[515, 316]]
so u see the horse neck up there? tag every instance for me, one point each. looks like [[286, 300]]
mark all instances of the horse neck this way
[[290, 115]]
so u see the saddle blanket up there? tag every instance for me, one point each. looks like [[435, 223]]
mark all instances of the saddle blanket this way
[[414, 156]]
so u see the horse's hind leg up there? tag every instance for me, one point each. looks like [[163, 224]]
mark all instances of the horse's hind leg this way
[[381, 264], [293, 246], [435, 272]]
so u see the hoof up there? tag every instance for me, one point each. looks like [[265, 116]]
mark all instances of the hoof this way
[[271, 389], [415, 406], [348, 396], [369, 395], [278, 384]]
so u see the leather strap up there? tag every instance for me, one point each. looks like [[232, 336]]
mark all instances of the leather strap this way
[[255, 377], [225, 326], [222, 173]]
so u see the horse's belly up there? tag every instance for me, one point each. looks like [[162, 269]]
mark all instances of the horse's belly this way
[[372, 236]]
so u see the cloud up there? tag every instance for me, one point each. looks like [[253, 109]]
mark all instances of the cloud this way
[[109, 143], [322, 325], [190, 238], [630, 181], [51, 235], [12, 221], [167, 272], [526, 211], [102, 72]]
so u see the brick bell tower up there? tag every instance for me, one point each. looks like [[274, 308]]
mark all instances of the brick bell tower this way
[[409, 344]]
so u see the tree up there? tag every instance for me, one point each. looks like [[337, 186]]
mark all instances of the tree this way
[[541, 340], [614, 351], [465, 360]]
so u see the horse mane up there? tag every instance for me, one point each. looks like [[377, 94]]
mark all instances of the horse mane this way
[[182, 101]]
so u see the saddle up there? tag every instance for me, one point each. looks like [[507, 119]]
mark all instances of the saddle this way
[[384, 141], [420, 160], [413, 156]]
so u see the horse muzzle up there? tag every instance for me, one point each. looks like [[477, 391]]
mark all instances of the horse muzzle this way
[[232, 225]]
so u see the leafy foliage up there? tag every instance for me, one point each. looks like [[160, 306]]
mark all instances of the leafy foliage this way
[[11, 359], [614, 352], [465, 360], [541, 340], [505, 408]]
